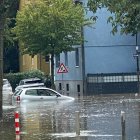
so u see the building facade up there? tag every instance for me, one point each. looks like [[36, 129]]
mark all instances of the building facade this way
[[102, 62], [27, 62], [39, 62]]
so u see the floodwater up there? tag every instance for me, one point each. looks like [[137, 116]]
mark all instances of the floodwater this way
[[99, 118]]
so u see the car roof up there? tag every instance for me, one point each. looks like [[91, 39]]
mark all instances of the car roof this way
[[30, 88], [5, 79], [36, 88], [31, 79]]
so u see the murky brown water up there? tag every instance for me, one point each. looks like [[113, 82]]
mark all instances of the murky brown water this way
[[99, 119]]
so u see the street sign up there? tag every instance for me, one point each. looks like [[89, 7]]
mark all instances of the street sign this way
[[62, 69]]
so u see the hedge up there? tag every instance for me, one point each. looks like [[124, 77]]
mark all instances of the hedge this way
[[14, 78]]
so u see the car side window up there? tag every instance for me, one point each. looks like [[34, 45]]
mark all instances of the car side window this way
[[43, 92], [46, 92], [52, 93], [32, 92]]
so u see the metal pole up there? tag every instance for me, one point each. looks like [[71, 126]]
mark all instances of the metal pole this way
[[62, 84], [138, 70], [139, 120], [123, 124], [77, 123]]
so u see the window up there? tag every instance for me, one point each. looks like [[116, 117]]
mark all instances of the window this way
[[57, 58], [23, 59], [67, 87], [66, 59], [129, 78], [32, 92], [41, 92], [51, 93], [78, 88], [46, 92], [77, 57], [60, 86], [47, 58], [17, 92], [32, 60]]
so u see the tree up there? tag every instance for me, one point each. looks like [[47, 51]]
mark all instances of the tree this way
[[10, 57], [6, 8], [125, 14], [10, 50], [49, 27]]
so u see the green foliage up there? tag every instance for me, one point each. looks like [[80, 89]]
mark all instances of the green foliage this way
[[10, 58], [10, 50], [49, 26], [7, 7], [125, 14], [14, 78], [8, 10]]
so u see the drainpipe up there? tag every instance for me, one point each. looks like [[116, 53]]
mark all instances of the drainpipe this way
[[137, 59], [136, 55]]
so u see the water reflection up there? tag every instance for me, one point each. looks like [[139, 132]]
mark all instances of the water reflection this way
[[100, 119]]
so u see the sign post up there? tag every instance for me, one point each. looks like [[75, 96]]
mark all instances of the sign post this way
[[62, 69]]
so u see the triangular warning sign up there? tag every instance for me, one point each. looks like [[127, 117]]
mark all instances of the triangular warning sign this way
[[62, 69]]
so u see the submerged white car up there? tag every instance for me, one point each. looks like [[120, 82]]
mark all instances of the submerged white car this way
[[38, 94], [6, 86]]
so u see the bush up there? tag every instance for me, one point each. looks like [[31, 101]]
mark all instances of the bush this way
[[14, 78]]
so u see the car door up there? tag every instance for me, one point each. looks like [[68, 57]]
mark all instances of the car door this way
[[45, 94]]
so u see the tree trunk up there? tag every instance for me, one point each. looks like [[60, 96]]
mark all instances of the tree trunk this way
[[52, 71], [1, 65]]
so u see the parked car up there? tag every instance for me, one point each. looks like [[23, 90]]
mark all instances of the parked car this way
[[38, 94], [31, 82], [7, 86]]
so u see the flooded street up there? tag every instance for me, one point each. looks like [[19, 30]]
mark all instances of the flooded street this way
[[100, 119]]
